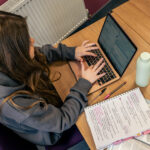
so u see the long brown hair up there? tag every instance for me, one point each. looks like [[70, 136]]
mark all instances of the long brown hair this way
[[15, 60]]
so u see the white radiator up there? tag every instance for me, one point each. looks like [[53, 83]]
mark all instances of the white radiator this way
[[49, 21]]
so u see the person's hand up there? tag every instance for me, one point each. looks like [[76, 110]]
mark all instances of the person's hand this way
[[84, 50], [91, 74]]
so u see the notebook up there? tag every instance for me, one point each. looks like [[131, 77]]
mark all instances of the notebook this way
[[117, 50], [118, 119]]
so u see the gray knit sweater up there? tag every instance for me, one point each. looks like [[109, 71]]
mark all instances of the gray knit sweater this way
[[37, 125]]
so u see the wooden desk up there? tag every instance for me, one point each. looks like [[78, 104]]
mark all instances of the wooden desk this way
[[136, 14], [68, 80]]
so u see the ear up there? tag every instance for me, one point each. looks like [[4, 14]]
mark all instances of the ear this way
[[31, 49], [32, 41]]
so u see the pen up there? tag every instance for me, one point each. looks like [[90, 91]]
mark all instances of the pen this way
[[142, 141], [103, 90], [114, 90]]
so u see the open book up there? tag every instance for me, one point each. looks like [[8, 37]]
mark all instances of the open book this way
[[119, 118]]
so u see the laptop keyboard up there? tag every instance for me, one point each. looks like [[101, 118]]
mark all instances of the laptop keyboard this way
[[93, 60]]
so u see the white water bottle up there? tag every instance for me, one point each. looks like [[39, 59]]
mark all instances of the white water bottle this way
[[143, 69]]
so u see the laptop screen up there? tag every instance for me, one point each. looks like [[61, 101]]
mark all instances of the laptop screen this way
[[116, 45]]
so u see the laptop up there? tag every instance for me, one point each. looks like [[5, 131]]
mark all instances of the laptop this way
[[117, 50]]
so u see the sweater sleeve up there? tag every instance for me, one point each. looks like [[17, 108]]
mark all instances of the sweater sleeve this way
[[60, 119], [62, 52]]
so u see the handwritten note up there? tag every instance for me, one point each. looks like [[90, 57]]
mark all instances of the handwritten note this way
[[118, 118]]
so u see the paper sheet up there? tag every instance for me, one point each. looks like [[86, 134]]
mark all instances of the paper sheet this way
[[118, 118]]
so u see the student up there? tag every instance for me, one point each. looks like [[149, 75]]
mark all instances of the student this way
[[29, 104]]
